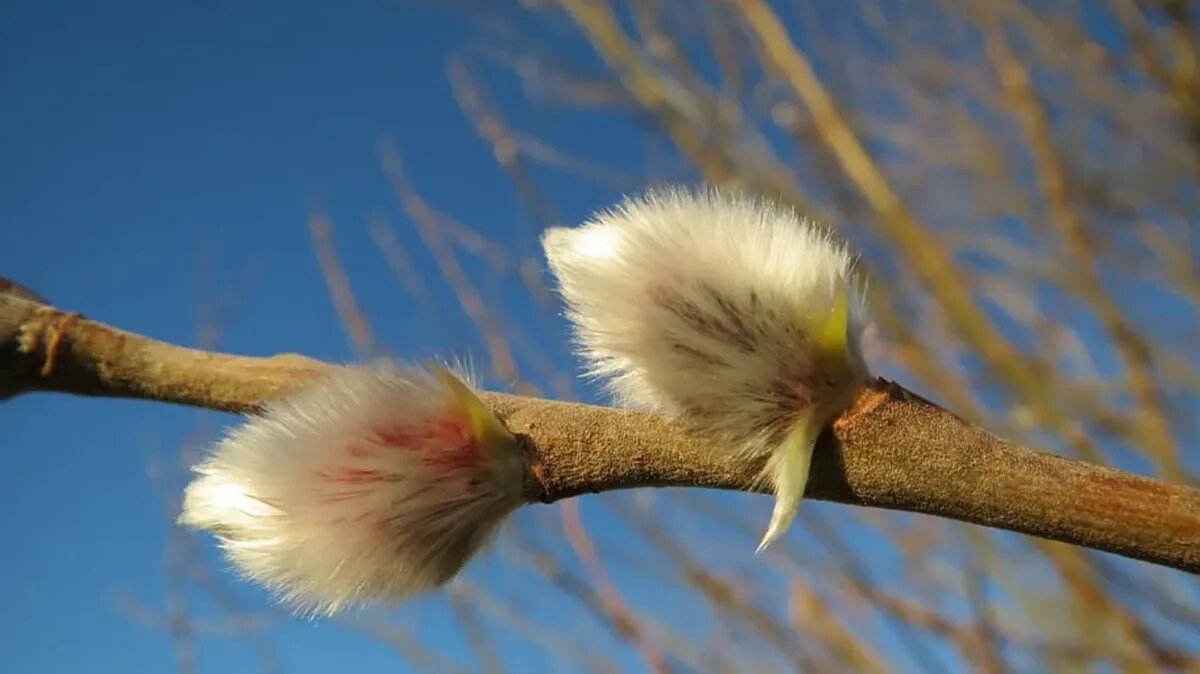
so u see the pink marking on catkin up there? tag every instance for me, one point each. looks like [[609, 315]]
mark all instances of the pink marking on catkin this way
[[447, 443], [395, 436], [800, 395], [358, 476], [340, 496], [412, 438], [459, 458], [350, 476], [342, 519], [452, 429], [359, 450]]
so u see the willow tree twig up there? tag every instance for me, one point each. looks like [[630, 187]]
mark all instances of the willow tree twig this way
[[891, 450]]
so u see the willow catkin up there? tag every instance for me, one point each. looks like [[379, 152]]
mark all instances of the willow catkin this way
[[733, 314], [375, 482]]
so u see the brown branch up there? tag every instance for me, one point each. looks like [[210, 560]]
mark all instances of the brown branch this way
[[892, 450]]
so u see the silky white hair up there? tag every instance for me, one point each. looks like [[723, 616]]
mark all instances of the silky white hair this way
[[708, 306], [372, 483]]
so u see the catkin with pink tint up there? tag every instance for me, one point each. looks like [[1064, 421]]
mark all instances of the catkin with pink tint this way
[[376, 482]]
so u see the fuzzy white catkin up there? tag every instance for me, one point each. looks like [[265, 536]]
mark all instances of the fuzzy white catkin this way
[[376, 482], [717, 308]]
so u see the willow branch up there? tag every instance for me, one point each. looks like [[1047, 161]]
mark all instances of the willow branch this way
[[891, 450]]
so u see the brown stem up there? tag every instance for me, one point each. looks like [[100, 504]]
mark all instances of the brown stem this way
[[892, 449]]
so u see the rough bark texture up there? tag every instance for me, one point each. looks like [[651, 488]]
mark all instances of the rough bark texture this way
[[892, 450]]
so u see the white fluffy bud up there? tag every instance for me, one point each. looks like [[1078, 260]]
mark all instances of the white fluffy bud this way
[[375, 482], [734, 314]]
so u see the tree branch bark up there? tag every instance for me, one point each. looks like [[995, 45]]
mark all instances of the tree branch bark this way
[[891, 450]]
